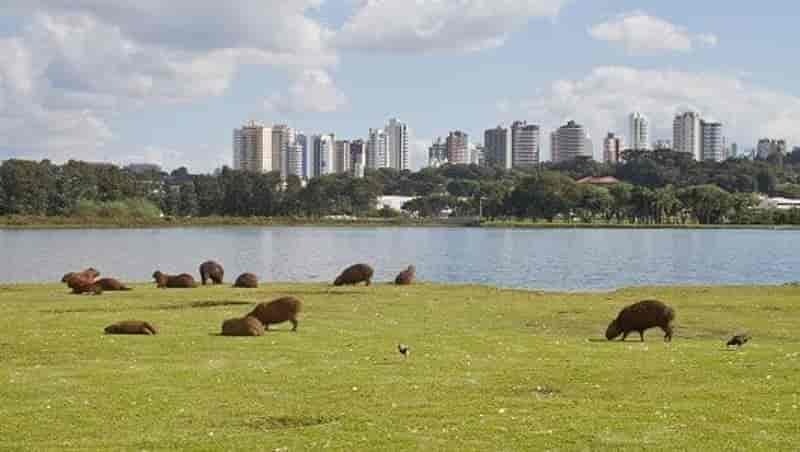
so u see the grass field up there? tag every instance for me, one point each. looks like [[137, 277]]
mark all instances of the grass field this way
[[489, 370]]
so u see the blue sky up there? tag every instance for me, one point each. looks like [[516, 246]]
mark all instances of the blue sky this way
[[143, 81]]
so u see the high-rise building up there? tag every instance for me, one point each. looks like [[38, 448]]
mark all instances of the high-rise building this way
[[476, 154], [294, 159], [612, 148], [323, 155], [437, 153], [733, 152], [497, 147], [377, 149], [713, 142], [252, 148], [306, 146], [687, 134], [524, 144], [639, 131], [768, 147], [342, 157], [569, 142], [458, 148], [282, 137], [397, 144], [358, 158]]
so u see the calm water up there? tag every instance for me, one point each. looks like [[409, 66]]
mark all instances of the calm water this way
[[541, 259]]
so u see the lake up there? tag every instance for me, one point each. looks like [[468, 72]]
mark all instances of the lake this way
[[548, 259]]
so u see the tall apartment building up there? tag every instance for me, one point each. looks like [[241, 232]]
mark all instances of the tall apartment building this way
[[612, 148], [713, 142], [358, 158], [342, 157], [524, 144], [252, 148], [497, 147], [397, 144], [639, 131], [687, 134], [437, 153], [458, 148], [294, 159], [282, 137], [377, 149], [569, 142], [767, 147], [323, 155]]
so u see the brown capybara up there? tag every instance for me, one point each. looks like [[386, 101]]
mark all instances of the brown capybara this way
[[642, 316], [210, 270], [247, 281], [89, 273], [355, 274], [406, 277], [245, 326], [278, 311], [111, 284], [182, 281], [131, 327], [80, 284]]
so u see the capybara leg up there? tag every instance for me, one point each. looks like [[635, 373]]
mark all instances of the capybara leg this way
[[641, 336], [294, 324], [624, 336], [203, 278], [369, 282], [667, 334]]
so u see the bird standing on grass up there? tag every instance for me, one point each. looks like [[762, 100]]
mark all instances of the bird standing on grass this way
[[738, 340], [403, 349]]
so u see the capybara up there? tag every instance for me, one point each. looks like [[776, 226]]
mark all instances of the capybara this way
[[278, 311], [111, 284], [182, 281], [245, 326], [90, 273], [81, 283], [131, 327], [738, 340], [642, 316], [247, 281], [210, 270], [406, 277], [355, 274]]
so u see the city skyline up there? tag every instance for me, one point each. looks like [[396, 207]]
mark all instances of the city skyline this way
[[127, 82]]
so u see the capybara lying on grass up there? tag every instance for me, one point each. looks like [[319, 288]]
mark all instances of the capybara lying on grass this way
[[182, 281], [406, 277], [247, 281], [642, 316], [81, 283], [111, 284], [210, 270], [89, 273], [355, 274], [131, 327], [245, 326], [278, 311]]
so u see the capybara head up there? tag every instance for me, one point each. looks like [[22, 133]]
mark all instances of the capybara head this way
[[67, 276], [613, 330]]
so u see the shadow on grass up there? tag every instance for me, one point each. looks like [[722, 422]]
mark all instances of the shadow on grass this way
[[162, 307]]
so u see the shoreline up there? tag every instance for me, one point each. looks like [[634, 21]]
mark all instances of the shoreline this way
[[55, 223]]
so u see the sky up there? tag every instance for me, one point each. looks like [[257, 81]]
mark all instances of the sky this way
[[167, 82]]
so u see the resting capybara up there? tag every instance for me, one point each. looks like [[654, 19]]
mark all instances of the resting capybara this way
[[642, 316], [245, 326], [111, 284], [81, 283], [355, 274], [406, 277], [182, 281], [89, 273], [131, 327], [247, 281], [278, 311], [210, 270]]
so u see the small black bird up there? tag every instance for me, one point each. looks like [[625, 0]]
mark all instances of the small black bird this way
[[738, 340], [403, 349]]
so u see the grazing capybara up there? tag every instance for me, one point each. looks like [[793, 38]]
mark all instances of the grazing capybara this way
[[278, 311], [245, 326], [81, 283], [89, 273], [642, 316], [355, 274], [210, 270], [406, 277], [111, 284], [131, 327], [182, 281], [247, 281]]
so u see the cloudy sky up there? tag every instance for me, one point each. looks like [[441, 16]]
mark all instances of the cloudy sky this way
[[167, 81]]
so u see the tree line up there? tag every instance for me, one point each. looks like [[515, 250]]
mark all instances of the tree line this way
[[656, 187]]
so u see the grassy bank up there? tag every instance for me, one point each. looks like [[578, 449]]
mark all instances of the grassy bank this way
[[489, 370]]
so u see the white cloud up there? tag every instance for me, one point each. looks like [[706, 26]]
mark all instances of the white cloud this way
[[428, 26], [602, 99], [313, 92], [642, 34]]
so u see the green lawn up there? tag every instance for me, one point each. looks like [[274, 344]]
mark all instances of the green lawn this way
[[489, 370]]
